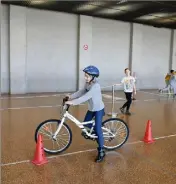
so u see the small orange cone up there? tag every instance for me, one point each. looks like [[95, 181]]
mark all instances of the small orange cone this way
[[148, 134], [39, 158]]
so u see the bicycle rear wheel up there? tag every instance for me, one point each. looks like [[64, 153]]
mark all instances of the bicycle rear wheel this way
[[119, 128], [47, 130]]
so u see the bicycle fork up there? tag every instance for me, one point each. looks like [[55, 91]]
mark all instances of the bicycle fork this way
[[58, 129]]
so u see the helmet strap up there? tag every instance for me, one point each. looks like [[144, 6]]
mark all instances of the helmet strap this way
[[93, 77]]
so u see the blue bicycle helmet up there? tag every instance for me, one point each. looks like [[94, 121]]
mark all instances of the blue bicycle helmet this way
[[92, 70]]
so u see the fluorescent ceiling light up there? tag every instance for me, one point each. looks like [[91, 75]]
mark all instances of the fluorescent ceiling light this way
[[86, 8], [127, 7], [165, 20], [98, 3], [173, 18], [89, 6], [162, 14], [154, 16], [110, 11], [122, 1], [146, 17], [39, 1], [119, 9]]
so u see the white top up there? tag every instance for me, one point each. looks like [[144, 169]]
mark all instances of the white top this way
[[128, 83]]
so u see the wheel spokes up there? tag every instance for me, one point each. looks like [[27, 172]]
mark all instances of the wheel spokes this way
[[118, 130], [61, 141]]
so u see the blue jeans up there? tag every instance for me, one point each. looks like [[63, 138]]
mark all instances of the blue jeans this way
[[98, 124]]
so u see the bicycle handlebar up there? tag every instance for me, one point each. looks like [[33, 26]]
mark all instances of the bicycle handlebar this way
[[63, 103]]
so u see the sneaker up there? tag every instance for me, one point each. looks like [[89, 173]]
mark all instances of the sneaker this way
[[100, 156], [122, 110], [128, 113]]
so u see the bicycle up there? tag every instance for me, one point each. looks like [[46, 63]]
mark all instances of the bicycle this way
[[62, 129]]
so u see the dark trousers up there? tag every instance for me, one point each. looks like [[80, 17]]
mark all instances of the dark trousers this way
[[98, 124], [129, 100]]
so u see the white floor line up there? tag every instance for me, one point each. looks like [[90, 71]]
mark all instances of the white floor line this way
[[150, 100], [35, 107], [152, 93], [163, 137], [136, 142], [73, 153], [14, 163], [167, 93], [17, 108], [32, 107], [25, 97], [77, 152], [110, 97], [54, 95], [154, 99], [43, 96]]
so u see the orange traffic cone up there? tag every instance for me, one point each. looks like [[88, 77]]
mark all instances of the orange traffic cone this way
[[39, 157], [148, 134]]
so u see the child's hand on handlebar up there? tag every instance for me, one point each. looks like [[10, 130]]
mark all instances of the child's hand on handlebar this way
[[69, 103], [68, 95]]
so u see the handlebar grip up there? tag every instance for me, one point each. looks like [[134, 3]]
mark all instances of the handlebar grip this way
[[65, 99]]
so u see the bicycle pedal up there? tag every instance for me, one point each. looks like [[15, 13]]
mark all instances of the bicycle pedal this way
[[92, 139], [84, 135]]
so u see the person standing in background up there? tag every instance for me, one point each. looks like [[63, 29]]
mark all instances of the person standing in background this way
[[129, 86], [171, 82], [167, 81], [133, 94]]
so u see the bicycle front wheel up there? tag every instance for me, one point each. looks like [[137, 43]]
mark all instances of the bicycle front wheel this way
[[47, 130], [120, 131]]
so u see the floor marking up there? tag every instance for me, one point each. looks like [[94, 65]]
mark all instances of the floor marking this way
[[57, 95], [32, 107], [51, 106], [154, 99], [110, 97], [136, 142], [167, 93], [150, 100], [36, 96], [16, 108], [73, 153], [152, 93], [165, 137], [77, 152], [14, 163]]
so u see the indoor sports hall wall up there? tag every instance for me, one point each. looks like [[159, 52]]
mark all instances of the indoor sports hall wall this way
[[51, 51], [5, 58], [111, 40], [110, 49], [150, 55], [44, 51], [174, 52]]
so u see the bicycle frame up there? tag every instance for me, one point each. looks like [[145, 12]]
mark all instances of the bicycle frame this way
[[81, 126]]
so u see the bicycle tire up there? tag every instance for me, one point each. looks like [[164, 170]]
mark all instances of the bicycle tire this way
[[58, 122]]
